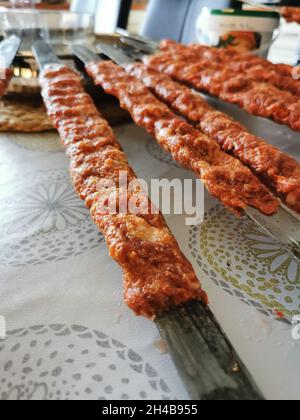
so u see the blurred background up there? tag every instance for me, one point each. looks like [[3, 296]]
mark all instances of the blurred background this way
[[157, 19]]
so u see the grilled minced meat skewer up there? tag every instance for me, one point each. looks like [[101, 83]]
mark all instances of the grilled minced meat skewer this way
[[224, 176], [279, 171], [5, 81], [263, 69], [157, 276], [259, 98]]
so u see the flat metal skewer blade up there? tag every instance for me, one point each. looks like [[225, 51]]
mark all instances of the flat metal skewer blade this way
[[117, 55], [8, 50], [122, 55], [44, 54], [140, 46], [282, 227], [85, 54], [142, 42], [205, 359]]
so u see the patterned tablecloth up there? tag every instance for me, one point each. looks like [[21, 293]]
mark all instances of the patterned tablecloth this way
[[69, 333]]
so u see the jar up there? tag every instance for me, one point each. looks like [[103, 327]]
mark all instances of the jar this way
[[240, 30]]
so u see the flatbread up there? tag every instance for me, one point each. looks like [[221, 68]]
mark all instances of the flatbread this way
[[21, 117]]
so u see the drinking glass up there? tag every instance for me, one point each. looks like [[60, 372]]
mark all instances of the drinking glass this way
[[22, 4]]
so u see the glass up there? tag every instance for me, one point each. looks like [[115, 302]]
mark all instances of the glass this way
[[22, 3], [54, 27]]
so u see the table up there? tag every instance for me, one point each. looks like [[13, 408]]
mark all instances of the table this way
[[69, 334]]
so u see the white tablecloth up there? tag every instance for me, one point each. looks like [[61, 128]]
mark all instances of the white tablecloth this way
[[69, 333]]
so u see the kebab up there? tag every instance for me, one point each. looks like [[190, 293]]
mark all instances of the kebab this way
[[147, 46], [4, 82], [257, 98], [224, 176], [282, 226], [280, 172], [157, 275], [240, 61]]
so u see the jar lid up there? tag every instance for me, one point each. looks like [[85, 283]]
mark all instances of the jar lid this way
[[245, 13]]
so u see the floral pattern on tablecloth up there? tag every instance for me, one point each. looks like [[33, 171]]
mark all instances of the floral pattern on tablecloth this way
[[44, 221], [246, 263], [57, 276], [61, 362]]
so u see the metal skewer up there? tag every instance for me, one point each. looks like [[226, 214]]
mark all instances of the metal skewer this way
[[8, 50], [44, 55], [205, 359], [139, 41]]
